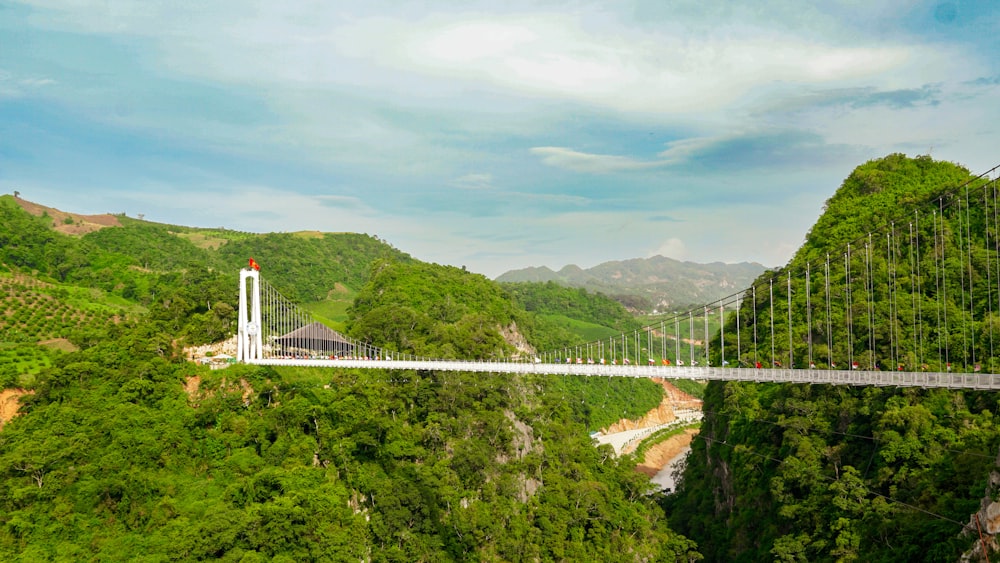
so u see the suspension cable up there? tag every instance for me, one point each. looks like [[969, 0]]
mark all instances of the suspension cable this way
[[989, 270], [829, 317], [756, 361], [850, 315], [961, 276], [691, 359], [771, 318], [809, 331], [739, 349], [869, 305], [791, 358], [968, 248], [890, 284], [919, 295]]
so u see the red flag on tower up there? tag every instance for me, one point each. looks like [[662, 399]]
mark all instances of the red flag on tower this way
[[254, 264]]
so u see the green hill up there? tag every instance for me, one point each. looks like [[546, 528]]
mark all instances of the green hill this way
[[821, 473], [648, 284], [123, 266], [126, 451]]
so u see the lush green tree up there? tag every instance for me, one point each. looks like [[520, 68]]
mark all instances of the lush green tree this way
[[805, 473]]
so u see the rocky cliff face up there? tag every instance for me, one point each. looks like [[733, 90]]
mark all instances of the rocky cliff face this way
[[658, 456], [984, 525], [673, 398]]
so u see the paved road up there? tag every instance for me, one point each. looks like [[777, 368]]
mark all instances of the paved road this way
[[624, 441]]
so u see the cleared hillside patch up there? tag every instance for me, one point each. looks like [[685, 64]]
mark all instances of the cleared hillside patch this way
[[588, 332]]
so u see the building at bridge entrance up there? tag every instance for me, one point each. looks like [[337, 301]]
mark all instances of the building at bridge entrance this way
[[313, 336]]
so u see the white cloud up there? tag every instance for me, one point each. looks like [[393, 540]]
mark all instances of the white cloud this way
[[557, 56], [468, 42], [589, 54], [372, 98], [474, 182], [561, 199], [14, 86], [671, 248], [577, 161]]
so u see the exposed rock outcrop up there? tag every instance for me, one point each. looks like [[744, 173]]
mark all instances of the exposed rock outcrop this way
[[673, 398], [986, 522], [658, 456], [227, 346], [10, 402], [512, 335]]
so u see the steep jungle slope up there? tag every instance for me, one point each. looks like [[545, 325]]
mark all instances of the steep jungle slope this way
[[815, 472], [446, 312], [581, 311], [126, 451], [113, 460]]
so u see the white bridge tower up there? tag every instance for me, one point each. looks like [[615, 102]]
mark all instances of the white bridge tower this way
[[249, 345]]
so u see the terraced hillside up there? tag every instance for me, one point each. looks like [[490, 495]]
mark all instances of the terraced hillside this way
[[38, 319], [34, 310]]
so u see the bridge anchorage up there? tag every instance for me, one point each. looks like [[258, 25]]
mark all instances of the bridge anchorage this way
[[915, 302]]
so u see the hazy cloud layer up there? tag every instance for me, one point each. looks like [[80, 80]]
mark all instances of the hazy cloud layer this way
[[491, 135]]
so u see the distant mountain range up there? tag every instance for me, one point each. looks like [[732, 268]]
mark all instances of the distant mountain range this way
[[645, 284]]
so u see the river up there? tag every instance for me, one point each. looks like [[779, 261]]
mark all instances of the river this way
[[665, 478]]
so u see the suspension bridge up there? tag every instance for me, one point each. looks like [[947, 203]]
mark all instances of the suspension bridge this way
[[915, 302]]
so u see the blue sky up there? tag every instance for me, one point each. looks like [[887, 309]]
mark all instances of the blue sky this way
[[495, 135]]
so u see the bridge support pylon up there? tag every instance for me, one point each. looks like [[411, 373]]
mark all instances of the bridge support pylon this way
[[249, 341]]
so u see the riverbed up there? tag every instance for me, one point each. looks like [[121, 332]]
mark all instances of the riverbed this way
[[664, 478]]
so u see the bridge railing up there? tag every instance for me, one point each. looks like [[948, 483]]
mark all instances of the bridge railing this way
[[983, 381]]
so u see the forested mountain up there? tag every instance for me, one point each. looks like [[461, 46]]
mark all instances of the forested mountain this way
[[645, 284], [820, 473], [126, 451]]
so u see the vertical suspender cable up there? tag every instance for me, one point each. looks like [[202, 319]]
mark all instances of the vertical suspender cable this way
[[849, 319], [649, 342], [663, 343], [691, 337], [791, 356], [937, 293], [896, 320], [996, 243], [739, 309], [722, 334], [707, 363], [920, 293], [944, 293], [890, 286], [809, 330], [989, 270], [267, 307], [913, 299], [771, 318], [638, 349], [677, 339], [870, 290], [756, 362], [961, 277], [968, 248], [829, 318]]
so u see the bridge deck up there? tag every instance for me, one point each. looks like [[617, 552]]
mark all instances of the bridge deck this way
[[778, 375]]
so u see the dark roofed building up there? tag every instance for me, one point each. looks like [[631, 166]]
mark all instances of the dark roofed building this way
[[314, 337]]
